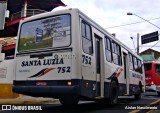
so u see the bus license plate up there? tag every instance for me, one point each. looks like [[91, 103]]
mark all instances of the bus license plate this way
[[41, 83]]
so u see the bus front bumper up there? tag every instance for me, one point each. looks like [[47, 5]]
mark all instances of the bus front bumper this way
[[47, 91]]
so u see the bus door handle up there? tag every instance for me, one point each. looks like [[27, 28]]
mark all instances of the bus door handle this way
[[41, 56]]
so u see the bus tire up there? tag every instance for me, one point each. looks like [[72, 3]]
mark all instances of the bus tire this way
[[69, 100], [138, 96], [113, 94]]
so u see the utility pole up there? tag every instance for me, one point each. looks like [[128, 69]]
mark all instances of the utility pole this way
[[25, 9], [138, 43], [133, 44], [3, 9]]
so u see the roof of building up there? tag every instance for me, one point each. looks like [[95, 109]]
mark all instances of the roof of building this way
[[16, 5], [15, 8], [150, 55]]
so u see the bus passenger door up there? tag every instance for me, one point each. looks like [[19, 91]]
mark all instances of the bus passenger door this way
[[99, 57], [126, 73]]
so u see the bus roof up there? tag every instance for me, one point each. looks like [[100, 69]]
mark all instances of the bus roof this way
[[63, 11]]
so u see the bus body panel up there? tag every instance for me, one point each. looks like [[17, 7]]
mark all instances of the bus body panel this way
[[56, 66], [152, 76]]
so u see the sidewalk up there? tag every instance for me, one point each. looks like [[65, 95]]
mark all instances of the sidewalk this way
[[27, 100]]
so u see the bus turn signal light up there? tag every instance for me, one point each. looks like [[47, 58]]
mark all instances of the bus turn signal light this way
[[69, 83]]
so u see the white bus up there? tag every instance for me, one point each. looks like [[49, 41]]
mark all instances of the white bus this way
[[74, 59]]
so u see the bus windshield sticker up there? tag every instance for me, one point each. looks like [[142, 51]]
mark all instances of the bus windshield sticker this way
[[39, 35]]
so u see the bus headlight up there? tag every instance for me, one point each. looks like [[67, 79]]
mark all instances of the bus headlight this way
[[152, 83]]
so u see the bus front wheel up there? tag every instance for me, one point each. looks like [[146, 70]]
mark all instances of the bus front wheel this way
[[138, 96]]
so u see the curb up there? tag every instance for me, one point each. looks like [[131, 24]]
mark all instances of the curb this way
[[28, 101]]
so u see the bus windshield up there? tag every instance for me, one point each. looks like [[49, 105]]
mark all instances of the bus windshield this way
[[147, 66], [157, 68], [48, 32]]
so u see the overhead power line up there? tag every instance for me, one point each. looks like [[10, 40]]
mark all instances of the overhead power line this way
[[132, 23], [154, 44], [148, 46], [138, 23]]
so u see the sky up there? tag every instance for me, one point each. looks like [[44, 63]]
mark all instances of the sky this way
[[112, 15]]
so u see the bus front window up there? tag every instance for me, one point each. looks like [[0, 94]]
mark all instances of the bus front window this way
[[157, 68], [48, 32], [147, 66]]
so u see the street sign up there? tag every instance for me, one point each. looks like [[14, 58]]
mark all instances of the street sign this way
[[3, 7], [151, 37]]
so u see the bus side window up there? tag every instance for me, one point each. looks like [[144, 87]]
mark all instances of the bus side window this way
[[130, 61], [86, 38], [116, 53], [108, 50], [135, 64], [139, 66]]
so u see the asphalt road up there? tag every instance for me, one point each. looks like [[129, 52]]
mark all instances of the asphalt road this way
[[94, 107]]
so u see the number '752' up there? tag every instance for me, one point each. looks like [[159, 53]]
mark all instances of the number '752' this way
[[86, 59], [64, 69]]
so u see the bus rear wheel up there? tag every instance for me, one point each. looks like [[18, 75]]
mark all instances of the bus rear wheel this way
[[69, 100], [113, 95], [138, 96]]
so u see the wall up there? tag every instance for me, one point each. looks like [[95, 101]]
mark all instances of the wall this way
[[7, 74], [150, 55]]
